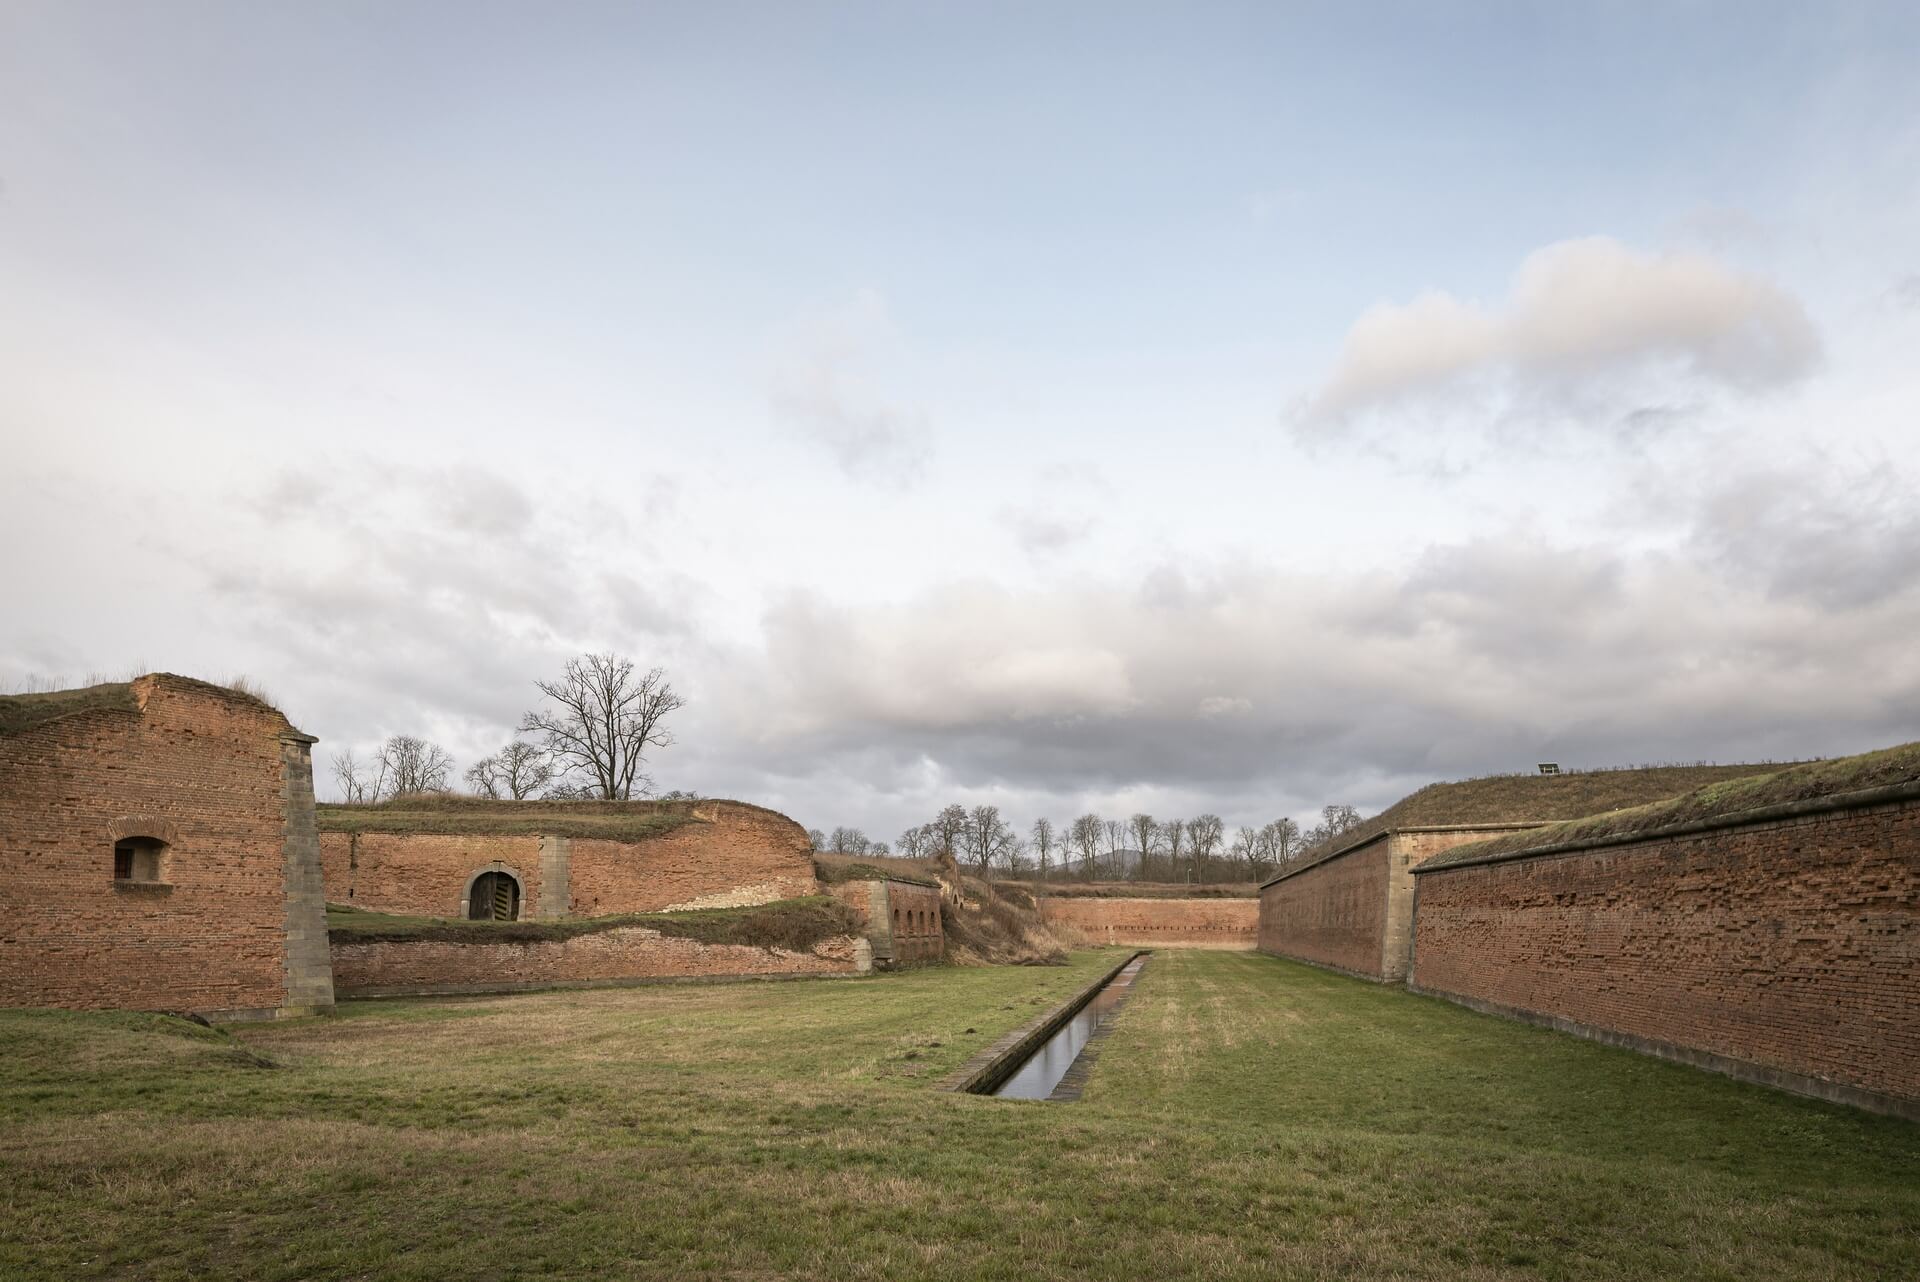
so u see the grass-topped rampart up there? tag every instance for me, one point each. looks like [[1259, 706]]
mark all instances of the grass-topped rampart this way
[[799, 925], [834, 870], [475, 816], [1726, 801]]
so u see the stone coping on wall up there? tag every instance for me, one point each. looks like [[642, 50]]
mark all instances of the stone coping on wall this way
[[1893, 794], [1384, 833], [996, 1063]]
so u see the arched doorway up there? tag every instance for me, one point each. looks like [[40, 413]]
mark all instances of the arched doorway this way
[[494, 896]]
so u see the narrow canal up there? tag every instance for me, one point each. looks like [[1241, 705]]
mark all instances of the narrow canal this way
[[1043, 1070]]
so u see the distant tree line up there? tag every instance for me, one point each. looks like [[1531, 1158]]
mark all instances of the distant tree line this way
[[602, 720], [1094, 848]]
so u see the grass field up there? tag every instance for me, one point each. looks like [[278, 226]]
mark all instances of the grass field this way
[[1247, 1118]]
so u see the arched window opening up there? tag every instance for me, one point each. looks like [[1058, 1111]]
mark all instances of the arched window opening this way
[[139, 859], [495, 897]]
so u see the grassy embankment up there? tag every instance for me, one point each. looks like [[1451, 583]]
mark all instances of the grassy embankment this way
[[1248, 1117]]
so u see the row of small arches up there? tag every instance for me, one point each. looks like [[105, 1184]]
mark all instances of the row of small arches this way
[[913, 921]]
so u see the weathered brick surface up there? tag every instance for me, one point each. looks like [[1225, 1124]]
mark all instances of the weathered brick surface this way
[[386, 967], [1171, 923], [423, 874], [1791, 945], [1334, 913], [732, 855], [1355, 911], [208, 771], [902, 920]]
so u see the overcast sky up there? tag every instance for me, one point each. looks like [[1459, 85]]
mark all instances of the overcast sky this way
[[1166, 407]]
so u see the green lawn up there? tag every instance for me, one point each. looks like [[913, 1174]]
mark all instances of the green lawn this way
[[1247, 1118]]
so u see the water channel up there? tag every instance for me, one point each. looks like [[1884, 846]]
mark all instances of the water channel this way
[[1036, 1078]]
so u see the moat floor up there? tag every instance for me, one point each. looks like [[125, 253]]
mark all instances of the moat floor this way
[[1247, 1118]]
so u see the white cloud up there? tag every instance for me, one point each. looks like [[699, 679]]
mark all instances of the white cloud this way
[[827, 388], [1579, 313]]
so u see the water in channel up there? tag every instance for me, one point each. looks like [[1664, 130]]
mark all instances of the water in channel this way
[[1036, 1078]]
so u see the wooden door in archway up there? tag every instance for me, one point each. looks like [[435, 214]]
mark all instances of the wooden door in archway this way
[[495, 897]]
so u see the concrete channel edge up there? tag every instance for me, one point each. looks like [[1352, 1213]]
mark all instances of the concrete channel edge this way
[[994, 1065]]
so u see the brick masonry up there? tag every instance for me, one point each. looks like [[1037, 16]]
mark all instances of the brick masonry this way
[[1167, 923], [903, 923], [384, 968], [1786, 952], [231, 926], [1354, 912], [731, 855]]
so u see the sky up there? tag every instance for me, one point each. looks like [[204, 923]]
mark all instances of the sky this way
[[1178, 408]]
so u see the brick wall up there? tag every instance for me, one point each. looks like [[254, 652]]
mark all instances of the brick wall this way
[[732, 855], [902, 920], [628, 954], [222, 780], [1334, 913], [1171, 923], [1355, 911], [1779, 951], [423, 874]]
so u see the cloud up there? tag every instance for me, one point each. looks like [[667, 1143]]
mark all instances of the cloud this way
[[1040, 533], [1252, 690], [1580, 315], [826, 390]]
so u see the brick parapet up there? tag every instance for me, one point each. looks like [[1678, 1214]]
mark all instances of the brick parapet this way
[[1784, 951], [1168, 923], [901, 919], [731, 856], [624, 955]]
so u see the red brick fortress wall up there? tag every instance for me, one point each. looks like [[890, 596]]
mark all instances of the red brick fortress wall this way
[[1333, 913], [901, 919], [1786, 952], [210, 773], [732, 856], [1168, 923], [422, 874], [380, 968]]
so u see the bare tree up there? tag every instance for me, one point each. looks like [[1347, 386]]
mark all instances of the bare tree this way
[[948, 831], [1176, 843], [359, 781], [1246, 848], [1115, 834], [1279, 843], [1339, 819], [606, 721], [1086, 833], [1203, 835], [816, 839], [410, 765], [914, 843], [516, 772], [1043, 842], [988, 838], [848, 841], [1146, 833], [1334, 820], [879, 848]]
